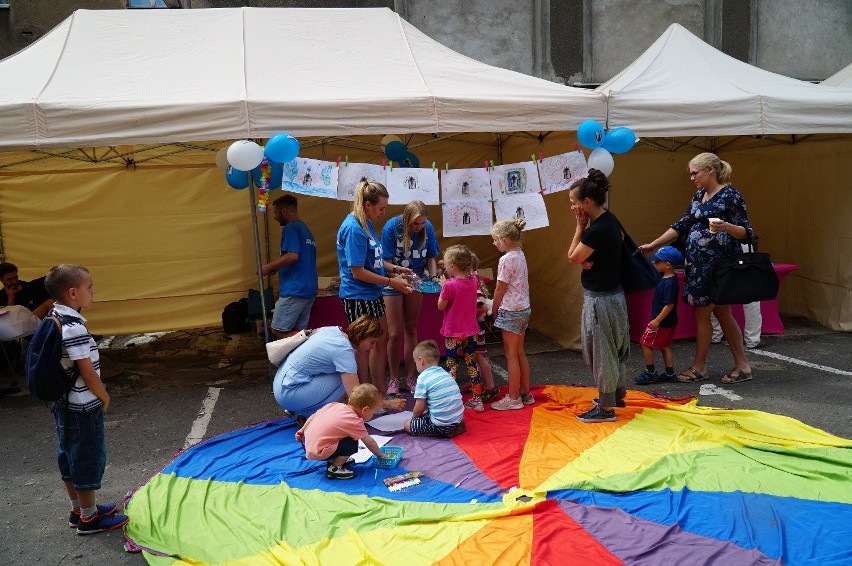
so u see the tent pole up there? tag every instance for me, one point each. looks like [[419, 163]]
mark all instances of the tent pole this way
[[253, 207]]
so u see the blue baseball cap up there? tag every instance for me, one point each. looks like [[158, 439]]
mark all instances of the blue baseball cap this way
[[669, 254]]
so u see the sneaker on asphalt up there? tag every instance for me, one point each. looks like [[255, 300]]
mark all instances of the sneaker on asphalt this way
[[527, 398], [103, 510], [341, 473], [618, 403], [646, 378], [393, 386], [98, 523], [507, 404], [489, 395], [598, 415], [475, 404]]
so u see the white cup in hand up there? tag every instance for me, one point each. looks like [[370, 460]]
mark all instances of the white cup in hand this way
[[712, 220]]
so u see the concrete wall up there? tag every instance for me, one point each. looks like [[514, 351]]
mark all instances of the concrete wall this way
[[807, 40]]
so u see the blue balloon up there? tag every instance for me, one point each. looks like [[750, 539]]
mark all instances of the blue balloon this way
[[409, 160], [396, 151], [236, 178], [619, 140], [591, 134], [276, 174], [282, 148]]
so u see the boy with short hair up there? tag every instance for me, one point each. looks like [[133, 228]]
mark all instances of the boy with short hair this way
[[333, 432], [659, 334], [82, 456], [438, 407]]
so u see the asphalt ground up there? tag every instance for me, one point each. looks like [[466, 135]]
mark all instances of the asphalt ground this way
[[158, 388]]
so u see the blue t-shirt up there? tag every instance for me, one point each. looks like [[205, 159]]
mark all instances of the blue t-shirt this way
[[666, 293], [325, 352], [414, 257], [298, 279], [443, 398], [357, 248]]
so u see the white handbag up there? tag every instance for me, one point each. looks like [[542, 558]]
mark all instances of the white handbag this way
[[278, 350]]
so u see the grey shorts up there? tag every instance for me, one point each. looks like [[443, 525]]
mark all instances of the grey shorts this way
[[513, 321], [292, 313]]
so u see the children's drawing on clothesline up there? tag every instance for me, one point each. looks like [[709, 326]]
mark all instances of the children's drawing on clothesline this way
[[465, 184], [310, 177], [559, 172], [467, 217], [407, 184], [529, 207], [514, 179], [350, 174]]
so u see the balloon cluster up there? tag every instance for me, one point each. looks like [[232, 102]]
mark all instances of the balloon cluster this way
[[264, 164], [604, 143], [396, 150]]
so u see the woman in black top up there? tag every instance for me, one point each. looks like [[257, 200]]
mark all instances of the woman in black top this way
[[604, 329]]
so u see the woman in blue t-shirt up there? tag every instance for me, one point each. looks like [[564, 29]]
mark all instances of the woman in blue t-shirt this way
[[409, 245], [362, 274], [323, 368]]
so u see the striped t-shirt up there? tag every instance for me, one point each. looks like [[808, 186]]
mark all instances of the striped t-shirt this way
[[78, 344], [443, 398]]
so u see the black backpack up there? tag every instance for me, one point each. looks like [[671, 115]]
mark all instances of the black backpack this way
[[46, 379], [235, 317]]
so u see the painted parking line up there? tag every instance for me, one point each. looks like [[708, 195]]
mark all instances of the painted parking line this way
[[799, 362], [199, 426]]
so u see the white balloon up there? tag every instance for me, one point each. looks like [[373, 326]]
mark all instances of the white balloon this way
[[601, 160], [245, 155], [222, 159], [389, 138]]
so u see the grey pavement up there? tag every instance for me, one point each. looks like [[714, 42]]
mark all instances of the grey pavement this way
[[157, 390]]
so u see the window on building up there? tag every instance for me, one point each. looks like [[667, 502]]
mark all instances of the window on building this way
[[144, 4]]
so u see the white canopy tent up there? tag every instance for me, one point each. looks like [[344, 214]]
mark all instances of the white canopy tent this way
[[113, 77], [681, 86], [842, 78]]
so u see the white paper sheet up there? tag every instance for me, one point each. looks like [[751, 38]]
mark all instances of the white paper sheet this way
[[392, 422], [363, 454]]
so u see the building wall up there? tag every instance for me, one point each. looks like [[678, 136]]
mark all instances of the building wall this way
[[568, 41]]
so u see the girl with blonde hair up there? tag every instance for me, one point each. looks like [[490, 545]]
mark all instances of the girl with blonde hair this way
[[361, 266], [512, 305], [410, 247]]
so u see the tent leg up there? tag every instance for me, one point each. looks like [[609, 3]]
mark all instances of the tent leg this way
[[253, 207]]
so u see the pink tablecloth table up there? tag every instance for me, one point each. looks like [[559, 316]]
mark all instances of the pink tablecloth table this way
[[328, 311], [639, 310]]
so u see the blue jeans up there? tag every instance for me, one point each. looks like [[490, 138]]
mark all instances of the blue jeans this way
[[81, 452]]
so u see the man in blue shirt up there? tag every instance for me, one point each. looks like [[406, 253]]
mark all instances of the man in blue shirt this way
[[297, 270]]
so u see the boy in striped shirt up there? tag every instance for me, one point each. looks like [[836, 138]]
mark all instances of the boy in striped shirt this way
[[438, 407]]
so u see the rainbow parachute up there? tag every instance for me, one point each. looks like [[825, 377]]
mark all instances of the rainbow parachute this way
[[668, 483]]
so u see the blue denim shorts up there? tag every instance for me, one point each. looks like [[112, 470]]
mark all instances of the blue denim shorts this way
[[81, 452], [513, 321], [292, 313]]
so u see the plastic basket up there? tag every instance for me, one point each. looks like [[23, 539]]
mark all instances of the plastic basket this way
[[396, 456]]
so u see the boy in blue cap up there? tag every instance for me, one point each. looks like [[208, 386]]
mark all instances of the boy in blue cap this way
[[659, 334]]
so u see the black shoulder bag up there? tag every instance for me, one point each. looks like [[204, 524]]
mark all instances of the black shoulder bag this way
[[637, 271], [743, 277]]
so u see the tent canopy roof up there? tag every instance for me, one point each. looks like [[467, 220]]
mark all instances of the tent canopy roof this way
[[683, 86], [843, 77], [110, 77]]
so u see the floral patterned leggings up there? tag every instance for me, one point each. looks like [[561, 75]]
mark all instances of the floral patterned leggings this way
[[461, 353]]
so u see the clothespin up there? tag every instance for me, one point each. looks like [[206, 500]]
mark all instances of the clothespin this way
[[338, 161], [532, 158], [385, 163], [577, 147], [391, 165], [433, 166], [347, 160], [540, 157], [486, 165], [447, 167], [492, 163]]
